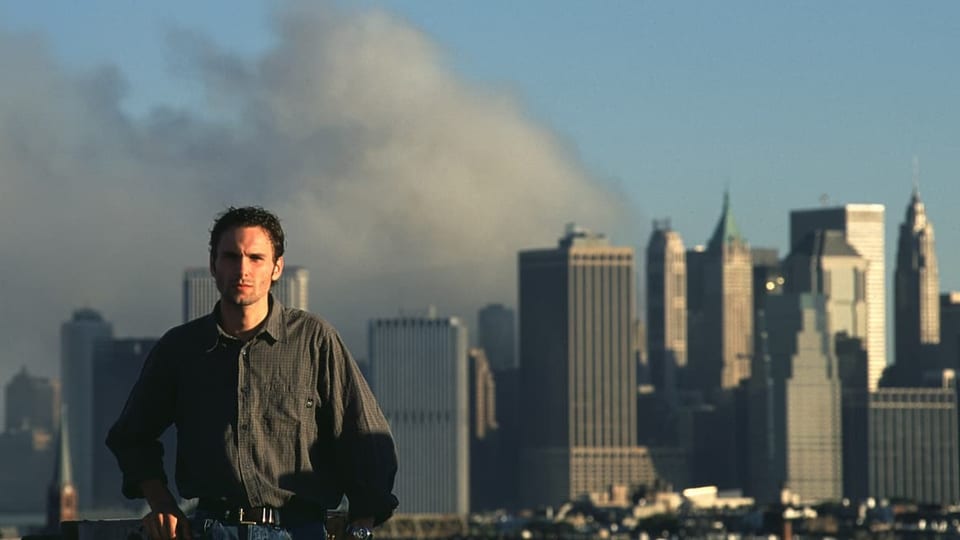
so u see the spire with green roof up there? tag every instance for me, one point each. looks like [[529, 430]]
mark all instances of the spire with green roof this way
[[726, 232]]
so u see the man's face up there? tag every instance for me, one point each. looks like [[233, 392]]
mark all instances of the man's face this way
[[243, 266]]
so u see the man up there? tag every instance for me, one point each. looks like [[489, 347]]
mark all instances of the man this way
[[274, 420]]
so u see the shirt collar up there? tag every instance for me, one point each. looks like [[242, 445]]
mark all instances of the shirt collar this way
[[274, 327]]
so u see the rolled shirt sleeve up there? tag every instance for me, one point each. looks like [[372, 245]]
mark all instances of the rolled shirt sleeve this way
[[365, 453], [149, 410]]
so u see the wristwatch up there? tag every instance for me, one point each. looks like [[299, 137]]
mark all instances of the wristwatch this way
[[359, 533]]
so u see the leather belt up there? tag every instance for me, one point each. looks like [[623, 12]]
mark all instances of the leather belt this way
[[240, 515], [295, 513]]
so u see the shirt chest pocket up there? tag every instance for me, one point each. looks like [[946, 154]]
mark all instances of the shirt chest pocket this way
[[289, 406]]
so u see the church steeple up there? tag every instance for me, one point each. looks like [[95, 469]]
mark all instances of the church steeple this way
[[62, 495]]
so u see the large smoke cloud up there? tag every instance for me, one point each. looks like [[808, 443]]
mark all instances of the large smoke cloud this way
[[400, 185]]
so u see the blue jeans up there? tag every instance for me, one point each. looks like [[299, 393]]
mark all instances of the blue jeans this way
[[212, 529]]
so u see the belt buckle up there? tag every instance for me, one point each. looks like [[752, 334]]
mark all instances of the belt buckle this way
[[261, 515], [244, 519]]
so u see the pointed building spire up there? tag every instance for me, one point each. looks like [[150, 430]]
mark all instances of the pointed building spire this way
[[62, 495], [726, 231], [916, 177], [917, 287]]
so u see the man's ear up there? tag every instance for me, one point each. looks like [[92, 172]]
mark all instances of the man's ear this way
[[213, 266], [277, 268]]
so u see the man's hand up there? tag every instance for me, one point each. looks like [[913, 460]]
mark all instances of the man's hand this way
[[166, 525], [165, 520]]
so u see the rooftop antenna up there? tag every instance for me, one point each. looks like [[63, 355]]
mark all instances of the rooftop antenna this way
[[824, 199], [916, 174]]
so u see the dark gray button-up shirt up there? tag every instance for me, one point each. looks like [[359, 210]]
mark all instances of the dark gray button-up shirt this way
[[286, 413]]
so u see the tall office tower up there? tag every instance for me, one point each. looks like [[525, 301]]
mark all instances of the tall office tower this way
[[78, 337], [768, 279], [116, 367], [199, 293], [200, 290], [806, 436], [666, 306], [852, 369], [577, 306], [32, 403], [496, 336], [862, 225], [824, 263], [486, 475], [292, 289], [720, 305], [950, 330], [420, 379], [916, 291], [913, 443]]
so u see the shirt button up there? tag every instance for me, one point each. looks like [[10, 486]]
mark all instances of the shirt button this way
[[243, 427]]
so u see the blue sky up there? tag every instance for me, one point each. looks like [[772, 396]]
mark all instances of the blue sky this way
[[665, 103], [671, 101]]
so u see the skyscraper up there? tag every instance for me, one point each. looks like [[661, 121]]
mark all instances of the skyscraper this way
[[486, 471], [720, 305], [913, 443], [576, 309], [419, 367], [78, 337], [916, 289], [666, 306], [862, 226], [200, 292], [32, 403], [950, 330], [806, 401], [824, 263], [495, 335]]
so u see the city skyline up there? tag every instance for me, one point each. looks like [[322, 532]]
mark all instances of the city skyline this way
[[150, 127], [576, 301]]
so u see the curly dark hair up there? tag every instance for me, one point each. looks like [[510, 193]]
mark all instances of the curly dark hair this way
[[248, 216]]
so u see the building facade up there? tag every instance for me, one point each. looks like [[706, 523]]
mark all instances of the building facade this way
[[419, 367], [487, 480], [863, 228], [200, 292], [496, 335], [950, 330], [824, 263], [913, 450], [916, 289], [576, 310], [720, 306], [666, 329], [32, 403], [806, 439], [78, 337]]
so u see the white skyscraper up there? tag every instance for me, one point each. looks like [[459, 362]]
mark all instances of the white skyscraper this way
[[200, 290], [419, 375], [77, 339], [862, 225]]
